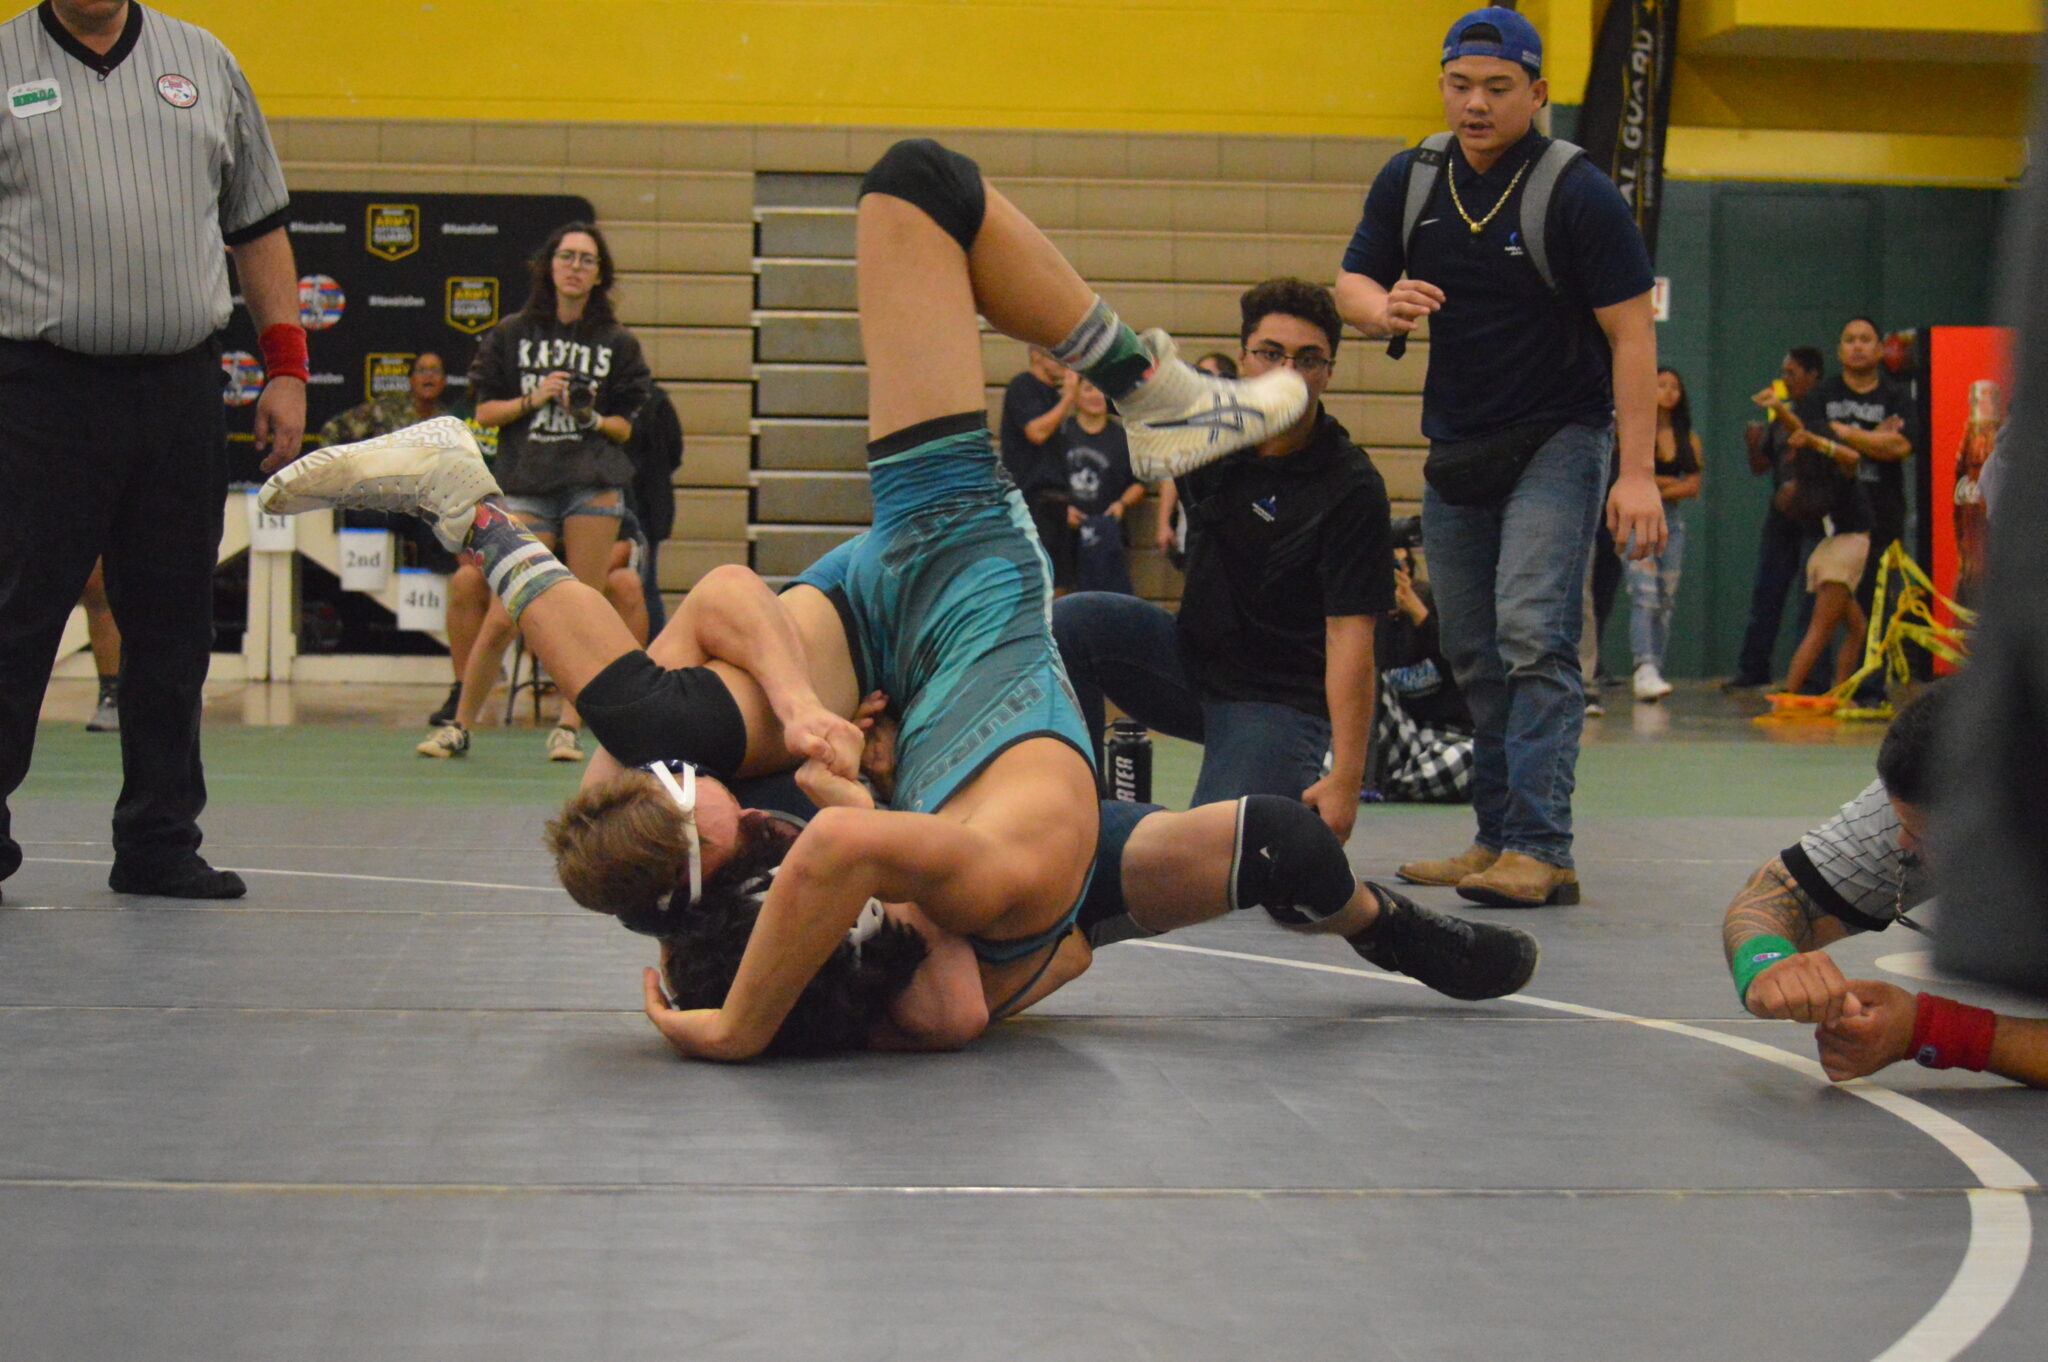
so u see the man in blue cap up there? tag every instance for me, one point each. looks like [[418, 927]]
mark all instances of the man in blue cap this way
[[1536, 283]]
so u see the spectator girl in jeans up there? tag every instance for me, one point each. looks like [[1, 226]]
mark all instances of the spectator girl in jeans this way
[[1653, 581], [560, 381]]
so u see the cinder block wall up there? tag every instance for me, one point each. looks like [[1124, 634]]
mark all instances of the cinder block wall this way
[[1170, 227]]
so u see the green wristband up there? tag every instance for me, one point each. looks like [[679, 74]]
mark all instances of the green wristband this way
[[1753, 957]]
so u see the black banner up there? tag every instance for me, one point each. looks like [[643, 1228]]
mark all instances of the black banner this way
[[1628, 103], [387, 276]]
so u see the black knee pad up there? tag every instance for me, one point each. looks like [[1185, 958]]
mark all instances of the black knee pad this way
[[945, 184], [641, 711], [1288, 862]]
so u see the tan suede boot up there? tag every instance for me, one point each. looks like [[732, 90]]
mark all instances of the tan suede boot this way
[[1470, 861], [1518, 881]]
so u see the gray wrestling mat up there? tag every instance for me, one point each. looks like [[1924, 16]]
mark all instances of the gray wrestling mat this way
[[400, 1103]]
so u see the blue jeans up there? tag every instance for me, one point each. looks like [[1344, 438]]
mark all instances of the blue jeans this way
[[1652, 592], [1126, 648], [1508, 581]]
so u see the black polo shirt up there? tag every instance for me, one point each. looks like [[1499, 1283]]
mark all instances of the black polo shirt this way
[[1275, 548], [1504, 349]]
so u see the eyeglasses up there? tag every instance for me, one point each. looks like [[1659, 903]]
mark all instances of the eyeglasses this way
[[684, 793], [583, 259], [1307, 363]]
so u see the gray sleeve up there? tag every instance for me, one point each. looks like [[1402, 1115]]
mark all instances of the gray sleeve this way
[[252, 188]]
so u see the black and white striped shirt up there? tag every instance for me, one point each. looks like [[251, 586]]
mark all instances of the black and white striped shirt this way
[[1853, 867], [120, 178]]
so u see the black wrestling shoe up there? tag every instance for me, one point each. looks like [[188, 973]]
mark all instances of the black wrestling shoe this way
[[1466, 960], [446, 713], [191, 878]]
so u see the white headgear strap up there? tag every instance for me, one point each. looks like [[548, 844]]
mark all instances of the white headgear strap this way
[[685, 796]]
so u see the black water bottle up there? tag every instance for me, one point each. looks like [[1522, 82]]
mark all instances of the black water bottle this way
[[1129, 754]]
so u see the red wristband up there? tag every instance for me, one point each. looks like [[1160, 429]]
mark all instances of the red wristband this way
[[284, 351], [1948, 1035]]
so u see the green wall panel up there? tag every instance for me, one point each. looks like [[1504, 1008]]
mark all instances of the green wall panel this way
[[1754, 270]]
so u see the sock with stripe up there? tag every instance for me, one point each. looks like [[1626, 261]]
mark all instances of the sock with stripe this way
[[1105, 351], [518, 567]]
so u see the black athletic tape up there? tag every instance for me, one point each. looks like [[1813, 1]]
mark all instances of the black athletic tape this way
[[944, 184], [1288, 862], [641, 711]]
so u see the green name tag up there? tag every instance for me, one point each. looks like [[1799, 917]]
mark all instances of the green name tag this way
[[34, 97]]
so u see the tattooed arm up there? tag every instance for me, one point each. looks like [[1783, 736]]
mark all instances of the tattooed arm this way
[[1806, 987]]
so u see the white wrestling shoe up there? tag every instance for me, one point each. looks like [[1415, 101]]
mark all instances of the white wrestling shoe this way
[[433, 470], [1180, 418]]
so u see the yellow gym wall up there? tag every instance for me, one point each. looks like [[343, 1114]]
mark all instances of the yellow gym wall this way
[[1333, 67], [1899, 91]]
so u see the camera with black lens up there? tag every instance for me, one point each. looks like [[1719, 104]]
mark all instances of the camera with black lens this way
[[582, 396], [1407, 532]]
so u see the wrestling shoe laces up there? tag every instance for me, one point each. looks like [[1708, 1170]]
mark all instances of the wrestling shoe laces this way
[[433, 470], [1465, 960], [1180, 418]]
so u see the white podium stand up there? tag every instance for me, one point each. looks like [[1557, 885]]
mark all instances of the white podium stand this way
[[270, 641]]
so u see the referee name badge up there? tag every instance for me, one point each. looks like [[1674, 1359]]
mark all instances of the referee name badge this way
[[393, 231], [34, 97], [472, 304]]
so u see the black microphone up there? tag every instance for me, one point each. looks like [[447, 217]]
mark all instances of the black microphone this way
[[1398, 346]]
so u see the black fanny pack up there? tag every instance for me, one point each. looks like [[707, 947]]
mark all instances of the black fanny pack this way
[[1482, 472]]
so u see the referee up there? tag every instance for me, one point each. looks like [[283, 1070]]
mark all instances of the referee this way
[[131, 151]]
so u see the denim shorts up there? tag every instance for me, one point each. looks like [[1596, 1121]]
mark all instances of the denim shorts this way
[[548, 510]]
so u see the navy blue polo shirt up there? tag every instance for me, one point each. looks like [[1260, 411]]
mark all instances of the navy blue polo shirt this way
[[1504, 349]]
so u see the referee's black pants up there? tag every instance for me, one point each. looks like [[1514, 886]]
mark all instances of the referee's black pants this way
[[124, 459]]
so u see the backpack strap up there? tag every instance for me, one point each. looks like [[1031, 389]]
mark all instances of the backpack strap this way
[[1557, 158], [1424, 169]]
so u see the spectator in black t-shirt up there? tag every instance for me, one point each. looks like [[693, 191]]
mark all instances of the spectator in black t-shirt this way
[[1101, 489], [1787, 539], [1035, 405], [1823, 484], [1270, 662], [1867, 412]]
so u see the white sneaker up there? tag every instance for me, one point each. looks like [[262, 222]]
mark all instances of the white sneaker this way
[[1650, 683], [433, 470], [1180, 418], [106, 717], [563, 744], [449, 740]]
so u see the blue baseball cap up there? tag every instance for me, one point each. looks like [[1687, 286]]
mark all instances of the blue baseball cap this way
[[1518, 42]]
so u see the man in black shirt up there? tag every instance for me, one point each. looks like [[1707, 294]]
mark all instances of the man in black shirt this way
[[1035, 405], [1868, 413], [1270, 663], [1531, 384], [1786, 540]]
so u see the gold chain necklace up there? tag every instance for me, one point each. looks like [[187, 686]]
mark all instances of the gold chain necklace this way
[[1450, 174]]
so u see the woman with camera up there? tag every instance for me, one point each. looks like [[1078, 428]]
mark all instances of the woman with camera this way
[[560, 381]]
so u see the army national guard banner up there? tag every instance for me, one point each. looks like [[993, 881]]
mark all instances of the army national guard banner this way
[[1628, 103], [387, 276]]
